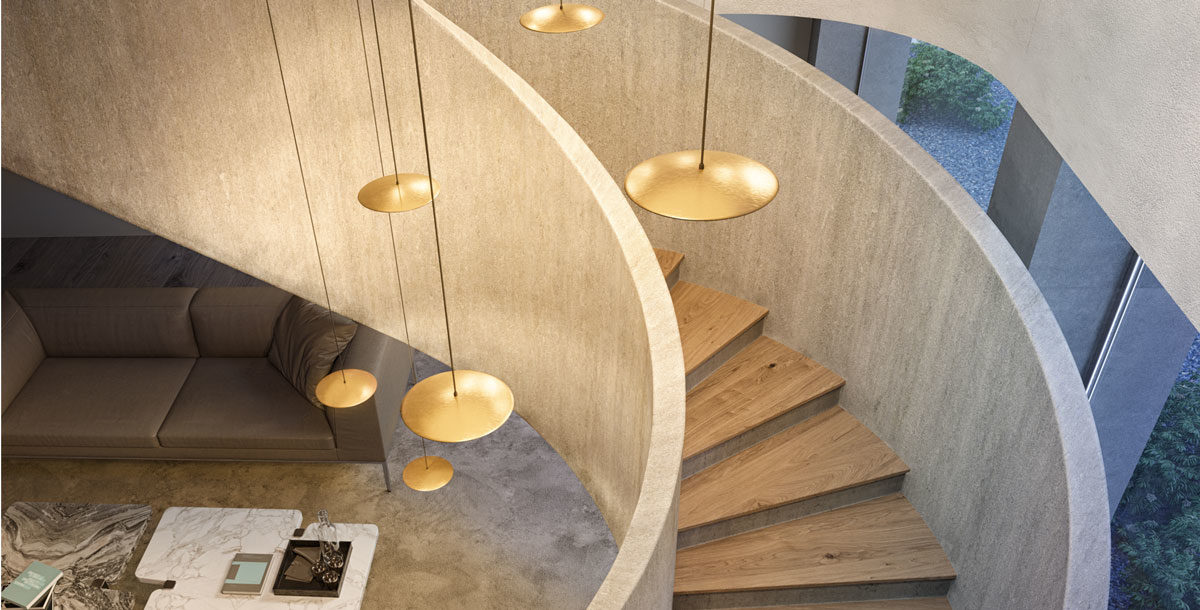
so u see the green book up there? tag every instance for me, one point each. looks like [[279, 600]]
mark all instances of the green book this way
[[32, 585]]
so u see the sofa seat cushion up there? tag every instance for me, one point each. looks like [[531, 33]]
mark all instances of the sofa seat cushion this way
[[95, 402], [243, 403]]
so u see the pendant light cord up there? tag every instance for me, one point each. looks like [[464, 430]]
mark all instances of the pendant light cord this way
[[433, 203], [382, 170], [303, 183], [386, 106], [712, 17]]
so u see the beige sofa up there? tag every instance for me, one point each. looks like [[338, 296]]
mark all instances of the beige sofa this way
[[184, 374]]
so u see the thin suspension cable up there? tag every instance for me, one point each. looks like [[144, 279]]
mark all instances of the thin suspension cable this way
[[303, 183], [383, 171], [712, 17], [424, 453], [371, 87], [386, 108], [433, 204], [412, 351]]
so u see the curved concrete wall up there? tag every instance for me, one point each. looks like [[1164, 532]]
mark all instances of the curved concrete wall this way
[[873, 261], [1112, 84], [172, 116]]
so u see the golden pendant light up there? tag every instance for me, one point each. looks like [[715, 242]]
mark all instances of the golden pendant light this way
[[454, 406], [396, 192], [400, 193], [700, 184], [428, 473], [344, 387], [562, 18]]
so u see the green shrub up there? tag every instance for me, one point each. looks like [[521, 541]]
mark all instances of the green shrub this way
[[941, 81], [1157, 525]]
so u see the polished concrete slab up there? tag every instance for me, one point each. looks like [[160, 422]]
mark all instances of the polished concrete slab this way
[[513, 529]]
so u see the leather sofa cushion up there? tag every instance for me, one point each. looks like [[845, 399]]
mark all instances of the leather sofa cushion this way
[[243, 403], [236, 322], [95, 402], [303, 348], [22, 350], [112, 322]]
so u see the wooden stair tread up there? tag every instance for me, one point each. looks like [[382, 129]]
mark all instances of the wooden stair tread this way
[[879, 541], [919, 603], [828, 452], [709, 320], [760, 383], [668, 260]]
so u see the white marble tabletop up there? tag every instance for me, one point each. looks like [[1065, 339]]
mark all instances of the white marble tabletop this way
[[197, 545]]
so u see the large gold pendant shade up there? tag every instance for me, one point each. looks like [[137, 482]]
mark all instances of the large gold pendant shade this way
[[729, 186], [702, 184], [562, 18], [457, 406]]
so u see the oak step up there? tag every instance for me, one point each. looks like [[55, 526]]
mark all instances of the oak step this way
[[669, 262], [923, 603], [760, 383], [828, 452], [709, 320], [879, 541]]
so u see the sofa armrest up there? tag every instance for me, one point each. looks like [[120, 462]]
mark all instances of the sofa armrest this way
[[364, 433], [22, 349]]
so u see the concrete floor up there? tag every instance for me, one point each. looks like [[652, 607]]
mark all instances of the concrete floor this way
[[513, 529]]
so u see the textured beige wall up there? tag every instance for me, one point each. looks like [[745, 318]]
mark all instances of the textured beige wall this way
[[171, 115], [1111, 83], [874, 262]]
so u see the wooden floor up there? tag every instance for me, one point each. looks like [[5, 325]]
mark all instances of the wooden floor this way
[[111, 262]]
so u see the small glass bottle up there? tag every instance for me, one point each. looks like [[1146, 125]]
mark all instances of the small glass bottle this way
[[331, 556]]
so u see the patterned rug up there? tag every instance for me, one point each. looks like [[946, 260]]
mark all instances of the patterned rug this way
[[88, 542]]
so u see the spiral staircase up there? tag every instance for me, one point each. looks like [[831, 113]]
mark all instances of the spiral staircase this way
[[786, 497]]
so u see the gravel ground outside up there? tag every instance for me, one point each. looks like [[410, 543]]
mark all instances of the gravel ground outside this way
[[971, 155]]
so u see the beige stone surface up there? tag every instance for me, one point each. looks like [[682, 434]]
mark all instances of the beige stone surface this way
[[1112, 84], [172, 115], [874, 262]]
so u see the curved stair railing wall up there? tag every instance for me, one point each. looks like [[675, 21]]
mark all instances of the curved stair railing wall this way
[[874, 263], [172, 117]]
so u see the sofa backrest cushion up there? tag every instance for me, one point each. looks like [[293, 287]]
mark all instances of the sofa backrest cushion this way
[[21, 352], [111, 322], [236, 322], [305, 344]]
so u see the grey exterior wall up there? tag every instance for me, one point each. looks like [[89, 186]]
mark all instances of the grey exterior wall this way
[[884, 64], [840, 48], [1080, 262], [1136, 378], [792, 33], [1024, 184]]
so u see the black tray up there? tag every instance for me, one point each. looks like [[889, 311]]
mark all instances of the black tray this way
[[315, 588]]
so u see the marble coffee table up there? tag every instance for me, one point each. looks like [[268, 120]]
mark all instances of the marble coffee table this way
[[193, 547]]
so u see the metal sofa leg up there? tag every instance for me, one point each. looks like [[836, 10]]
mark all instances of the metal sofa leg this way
[[387, 476]]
